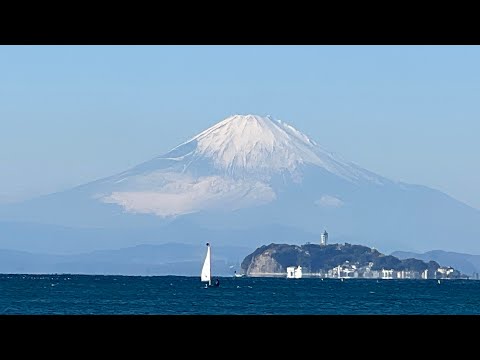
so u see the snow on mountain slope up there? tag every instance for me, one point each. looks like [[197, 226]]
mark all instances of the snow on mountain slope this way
[[228, 166], [187, 195], [250, 143], [246, 180]]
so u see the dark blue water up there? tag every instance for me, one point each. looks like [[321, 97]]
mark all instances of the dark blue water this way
[[82, 294]]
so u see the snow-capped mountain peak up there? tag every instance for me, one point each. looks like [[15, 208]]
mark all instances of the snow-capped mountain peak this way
[[247, 180], [231, 165], [250, 144]]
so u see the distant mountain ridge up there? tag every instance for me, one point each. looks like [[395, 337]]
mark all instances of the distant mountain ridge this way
[[466, 263], [246, 181], [165, 259]]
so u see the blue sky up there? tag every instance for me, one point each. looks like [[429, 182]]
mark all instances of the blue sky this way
[[72, 114]]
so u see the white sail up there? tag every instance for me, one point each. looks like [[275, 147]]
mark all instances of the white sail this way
[[206, 273]]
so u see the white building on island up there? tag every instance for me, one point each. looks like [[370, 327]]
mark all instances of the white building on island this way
[[387, 273], [294, 272], [425, 274]]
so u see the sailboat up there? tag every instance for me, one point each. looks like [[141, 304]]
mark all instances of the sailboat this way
[[206, 275]]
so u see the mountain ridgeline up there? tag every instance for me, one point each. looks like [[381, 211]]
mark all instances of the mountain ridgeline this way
[[466, 263], [275, 258], [245, 179]]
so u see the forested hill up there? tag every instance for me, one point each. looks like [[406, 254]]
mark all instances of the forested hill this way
[[275, 258]]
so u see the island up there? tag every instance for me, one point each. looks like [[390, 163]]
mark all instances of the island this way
[[338, 261]]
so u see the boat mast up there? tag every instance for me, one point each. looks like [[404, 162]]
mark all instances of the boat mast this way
[[209, 265]]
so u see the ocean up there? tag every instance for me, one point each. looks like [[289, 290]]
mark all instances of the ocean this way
[[179, 295]]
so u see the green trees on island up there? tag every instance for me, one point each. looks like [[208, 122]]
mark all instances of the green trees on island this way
[[318, 258]]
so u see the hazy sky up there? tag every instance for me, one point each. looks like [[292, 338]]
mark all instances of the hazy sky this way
[[72, 114]]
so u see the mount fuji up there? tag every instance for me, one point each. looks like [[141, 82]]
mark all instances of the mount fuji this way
[[247, 180]]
